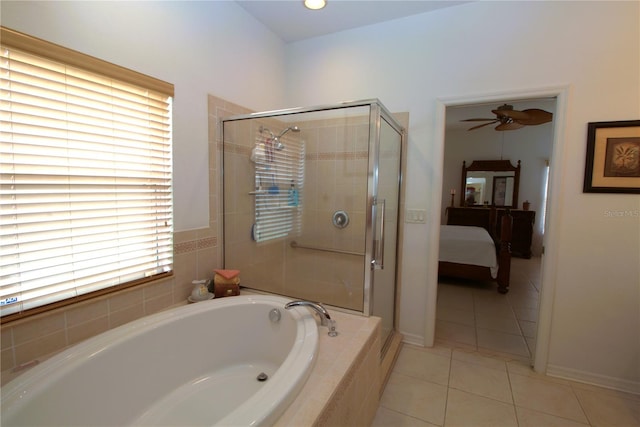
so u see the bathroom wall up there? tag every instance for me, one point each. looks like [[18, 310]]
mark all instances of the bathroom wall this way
[[491, 48]]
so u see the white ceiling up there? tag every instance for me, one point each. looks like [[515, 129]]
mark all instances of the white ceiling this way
[[291, 21]]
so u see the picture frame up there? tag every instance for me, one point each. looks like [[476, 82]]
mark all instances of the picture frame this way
[[613, 157]]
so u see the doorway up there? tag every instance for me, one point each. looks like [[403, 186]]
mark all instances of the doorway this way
[[543, 311]]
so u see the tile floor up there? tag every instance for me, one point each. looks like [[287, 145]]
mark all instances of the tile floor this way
[[444, 386], [479, 374], [475, 316]]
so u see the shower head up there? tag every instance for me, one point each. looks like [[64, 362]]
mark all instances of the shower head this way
[[279, 145], [290, 128]]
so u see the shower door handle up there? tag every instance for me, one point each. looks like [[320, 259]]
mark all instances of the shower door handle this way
[[378, 261]]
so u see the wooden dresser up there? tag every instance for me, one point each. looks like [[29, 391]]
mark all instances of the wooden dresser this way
[[522, 232]]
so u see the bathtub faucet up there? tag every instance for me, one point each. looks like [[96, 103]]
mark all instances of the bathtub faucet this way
[[325, 318]]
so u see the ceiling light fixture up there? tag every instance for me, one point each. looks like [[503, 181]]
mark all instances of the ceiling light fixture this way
[[315, 4]]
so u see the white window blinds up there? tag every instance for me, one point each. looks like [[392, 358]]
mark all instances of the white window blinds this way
[[279, 175], [85, 191]]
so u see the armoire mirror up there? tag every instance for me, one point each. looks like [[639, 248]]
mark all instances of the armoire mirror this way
[[490, 182]]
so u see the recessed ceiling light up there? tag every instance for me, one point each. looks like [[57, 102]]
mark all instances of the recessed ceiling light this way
[[315, 4]]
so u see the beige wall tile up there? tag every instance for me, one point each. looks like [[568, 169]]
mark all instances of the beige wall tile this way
[[127, 298], [85, 312], [125, 315], [157, 289], [6, 338], [39, 347], [38, 326], [6, 359], [85, 330], [185, 236], [159, 303]]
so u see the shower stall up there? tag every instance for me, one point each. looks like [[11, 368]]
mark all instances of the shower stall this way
[[311, 200]]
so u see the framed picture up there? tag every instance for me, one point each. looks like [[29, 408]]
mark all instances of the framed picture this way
[[613, 157]]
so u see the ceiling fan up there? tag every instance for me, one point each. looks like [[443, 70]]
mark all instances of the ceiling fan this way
[[510, 119]]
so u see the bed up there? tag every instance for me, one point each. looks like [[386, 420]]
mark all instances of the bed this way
[[471, 249]]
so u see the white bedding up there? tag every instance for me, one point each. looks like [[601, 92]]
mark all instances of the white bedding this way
[[468, 245]]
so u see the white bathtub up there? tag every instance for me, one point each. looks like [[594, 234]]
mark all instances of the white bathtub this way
[[193, 365]]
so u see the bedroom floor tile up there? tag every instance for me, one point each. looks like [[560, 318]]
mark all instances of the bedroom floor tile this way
[[487, 320], [528, 328], [455, 315], [498, 323]]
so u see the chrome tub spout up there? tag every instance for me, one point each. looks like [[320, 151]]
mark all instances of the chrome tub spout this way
[[325, 318]]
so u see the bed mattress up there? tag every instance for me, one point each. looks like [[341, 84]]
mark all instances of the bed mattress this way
[[468, 245]]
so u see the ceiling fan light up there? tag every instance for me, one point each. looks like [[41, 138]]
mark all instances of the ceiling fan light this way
[[315, 4]]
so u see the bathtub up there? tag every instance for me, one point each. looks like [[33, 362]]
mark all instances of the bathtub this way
[[192, 365]]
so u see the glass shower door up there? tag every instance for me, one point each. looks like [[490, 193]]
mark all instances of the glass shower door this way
[[386, 226]]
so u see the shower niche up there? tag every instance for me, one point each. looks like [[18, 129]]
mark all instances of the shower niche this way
[[310, 202]]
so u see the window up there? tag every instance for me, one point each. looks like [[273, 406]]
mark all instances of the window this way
[[85, 190]]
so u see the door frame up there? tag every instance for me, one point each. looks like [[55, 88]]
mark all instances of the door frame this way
[[552, 214]]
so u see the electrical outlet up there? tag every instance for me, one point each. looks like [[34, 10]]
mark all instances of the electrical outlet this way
[[415, 216]]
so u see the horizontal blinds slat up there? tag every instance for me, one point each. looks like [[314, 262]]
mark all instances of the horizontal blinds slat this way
[[42, 275], [85, 188], [54, 89]]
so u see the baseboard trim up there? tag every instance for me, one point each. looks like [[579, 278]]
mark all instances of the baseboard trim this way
[[412, 339], [605, 381]]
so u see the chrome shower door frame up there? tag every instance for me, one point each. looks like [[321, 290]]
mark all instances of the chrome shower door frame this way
[[377, 112]]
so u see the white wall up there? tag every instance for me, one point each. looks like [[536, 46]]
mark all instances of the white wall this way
[[201, 47], [487, 48]]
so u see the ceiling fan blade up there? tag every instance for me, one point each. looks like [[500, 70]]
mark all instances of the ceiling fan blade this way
[[513, 114], [536, 117], [478, 120], [484, 124], [509, 126]]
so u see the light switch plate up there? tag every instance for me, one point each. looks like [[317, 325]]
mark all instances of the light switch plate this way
[[415, 216]]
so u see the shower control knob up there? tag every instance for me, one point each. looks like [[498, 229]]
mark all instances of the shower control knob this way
[[340, 219]]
